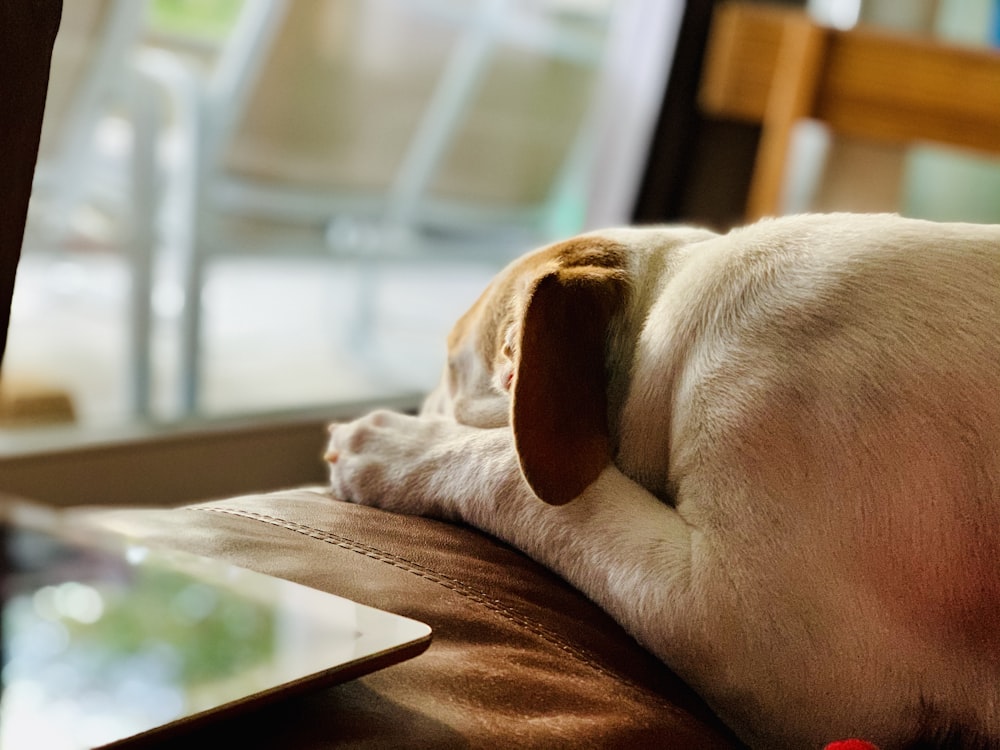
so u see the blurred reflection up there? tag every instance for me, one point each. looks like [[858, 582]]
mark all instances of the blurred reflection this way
[[104, 638], [97, 648]]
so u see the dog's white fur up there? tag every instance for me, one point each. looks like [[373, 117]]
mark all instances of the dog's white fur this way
[[789, 489]]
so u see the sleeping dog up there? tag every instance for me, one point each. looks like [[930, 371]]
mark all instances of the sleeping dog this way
[[772, 455]]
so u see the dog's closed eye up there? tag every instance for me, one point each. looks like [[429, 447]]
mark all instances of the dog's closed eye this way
[[504, 366]]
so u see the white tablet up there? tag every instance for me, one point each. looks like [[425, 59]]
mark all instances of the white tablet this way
[[105, 639]]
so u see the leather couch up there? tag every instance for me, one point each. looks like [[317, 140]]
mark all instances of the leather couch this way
[[518, 658]]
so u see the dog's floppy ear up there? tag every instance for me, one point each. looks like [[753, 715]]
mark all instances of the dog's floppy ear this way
[[559, 408]]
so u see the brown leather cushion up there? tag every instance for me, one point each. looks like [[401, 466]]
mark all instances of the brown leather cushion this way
[[518, 656]]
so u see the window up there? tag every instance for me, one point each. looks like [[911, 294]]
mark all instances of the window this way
[[245, 206]]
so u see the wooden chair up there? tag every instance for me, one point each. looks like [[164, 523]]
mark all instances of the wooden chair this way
[[775, 66]]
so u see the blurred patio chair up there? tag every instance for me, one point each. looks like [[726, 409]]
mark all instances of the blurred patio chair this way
[[87, 79], [381, 130]]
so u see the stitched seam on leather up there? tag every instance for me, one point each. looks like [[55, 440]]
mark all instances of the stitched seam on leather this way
[[448, 582]]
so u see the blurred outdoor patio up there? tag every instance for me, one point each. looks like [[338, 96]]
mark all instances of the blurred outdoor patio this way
[[248, 206]]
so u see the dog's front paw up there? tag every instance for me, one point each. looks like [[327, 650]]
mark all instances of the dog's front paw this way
[[374, 457], [397, 462]]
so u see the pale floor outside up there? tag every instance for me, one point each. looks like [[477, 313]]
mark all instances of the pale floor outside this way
[[280, 334]]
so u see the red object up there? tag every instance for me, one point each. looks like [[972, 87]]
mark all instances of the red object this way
[[851, 745]]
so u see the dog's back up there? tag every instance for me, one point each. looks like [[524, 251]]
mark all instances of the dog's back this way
[[836, 427]]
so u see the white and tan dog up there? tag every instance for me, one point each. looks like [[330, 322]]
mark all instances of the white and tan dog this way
[[773, 456]]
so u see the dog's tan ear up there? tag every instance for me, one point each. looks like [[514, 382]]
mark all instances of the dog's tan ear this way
[[559, 409]]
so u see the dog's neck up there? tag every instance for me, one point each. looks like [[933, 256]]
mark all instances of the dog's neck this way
[[638, 333], [637, 453]]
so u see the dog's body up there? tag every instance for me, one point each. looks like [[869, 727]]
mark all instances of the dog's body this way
[[773, 456]]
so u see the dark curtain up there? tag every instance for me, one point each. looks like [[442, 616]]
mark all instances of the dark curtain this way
[[698, 169], [27, 33]]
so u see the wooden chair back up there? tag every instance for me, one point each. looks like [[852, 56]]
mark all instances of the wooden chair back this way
[[775, 66]]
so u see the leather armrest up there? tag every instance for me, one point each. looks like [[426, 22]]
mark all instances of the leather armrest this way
[[517, 655]]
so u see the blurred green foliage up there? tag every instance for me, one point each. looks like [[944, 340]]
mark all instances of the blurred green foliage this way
[[214, 639], [205, 19]]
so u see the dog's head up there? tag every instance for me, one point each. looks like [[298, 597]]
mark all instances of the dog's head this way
[[530, 353]]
